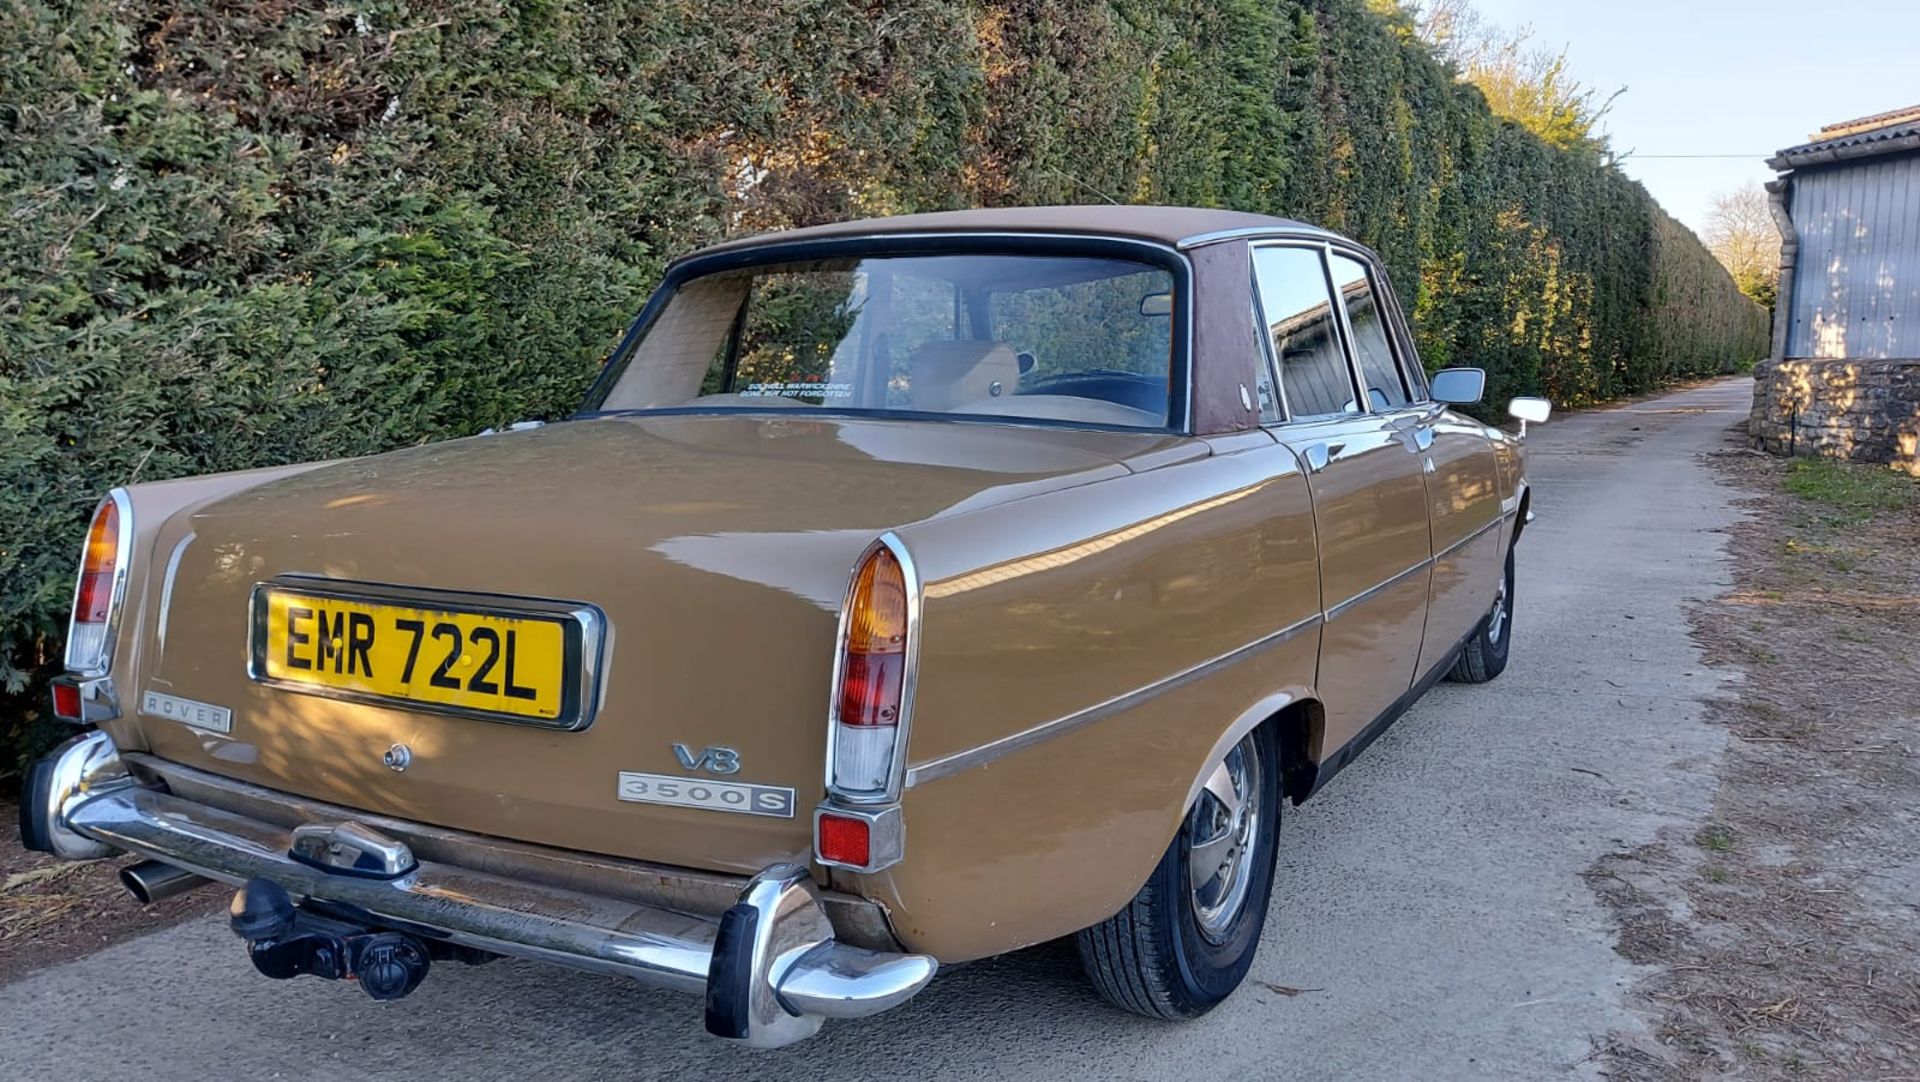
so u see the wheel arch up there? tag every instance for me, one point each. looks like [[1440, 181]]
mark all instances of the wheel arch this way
[[1302, 724]]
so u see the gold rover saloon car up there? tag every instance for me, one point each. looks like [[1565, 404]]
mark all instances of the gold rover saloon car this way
[[905, 591]]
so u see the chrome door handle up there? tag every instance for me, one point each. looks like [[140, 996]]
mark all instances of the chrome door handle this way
[[1319, 454]]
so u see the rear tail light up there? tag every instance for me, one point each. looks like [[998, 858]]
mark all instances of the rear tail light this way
[[96, 597], [873, 677]]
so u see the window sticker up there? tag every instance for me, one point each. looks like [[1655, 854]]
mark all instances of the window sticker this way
[[798, 389]]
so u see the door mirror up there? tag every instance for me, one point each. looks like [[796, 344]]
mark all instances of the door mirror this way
[[1459, 386], [1534, 410], [1156, 304]]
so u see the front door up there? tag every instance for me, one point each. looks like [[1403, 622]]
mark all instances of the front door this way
[[1469, 545], [1369, 495]]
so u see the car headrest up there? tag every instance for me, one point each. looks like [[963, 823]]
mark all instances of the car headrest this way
[[947, 375]]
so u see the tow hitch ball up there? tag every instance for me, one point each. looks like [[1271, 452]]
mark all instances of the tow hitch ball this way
[[286, 941]]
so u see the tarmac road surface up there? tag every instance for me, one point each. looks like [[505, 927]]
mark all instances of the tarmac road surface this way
[[1429, 907]]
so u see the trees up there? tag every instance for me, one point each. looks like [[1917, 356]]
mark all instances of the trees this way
[[1526, 83], [1741, 234], [239, 235]]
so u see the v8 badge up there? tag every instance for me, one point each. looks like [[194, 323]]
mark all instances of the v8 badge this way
[[712, 760]]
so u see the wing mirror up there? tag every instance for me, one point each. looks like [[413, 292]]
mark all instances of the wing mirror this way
[[1459, 386], [1524, 410], [1156, 304]]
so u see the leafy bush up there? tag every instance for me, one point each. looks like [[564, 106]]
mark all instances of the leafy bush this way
[[279, 230]]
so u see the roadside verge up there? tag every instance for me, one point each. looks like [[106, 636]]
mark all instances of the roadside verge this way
[[1783, 938]]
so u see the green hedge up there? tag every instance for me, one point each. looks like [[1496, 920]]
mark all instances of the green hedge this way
[[244, 233]]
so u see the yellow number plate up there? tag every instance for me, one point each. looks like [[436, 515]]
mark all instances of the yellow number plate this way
[[518, 666]]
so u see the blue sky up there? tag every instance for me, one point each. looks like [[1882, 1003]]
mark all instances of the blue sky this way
[[1740, 77]]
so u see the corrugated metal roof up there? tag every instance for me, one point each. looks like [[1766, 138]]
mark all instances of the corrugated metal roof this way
[[1866, 137], [1866, 123]]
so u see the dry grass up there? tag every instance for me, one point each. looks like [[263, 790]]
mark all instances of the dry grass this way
[[54, 910], [1785, 934]]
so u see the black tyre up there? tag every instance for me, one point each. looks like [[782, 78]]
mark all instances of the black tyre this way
[[1186, 940], [1485, 656]]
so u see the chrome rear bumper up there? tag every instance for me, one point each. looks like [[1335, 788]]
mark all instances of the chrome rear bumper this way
[[770, 966]]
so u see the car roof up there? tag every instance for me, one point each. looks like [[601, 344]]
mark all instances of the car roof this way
[[1177, 226]]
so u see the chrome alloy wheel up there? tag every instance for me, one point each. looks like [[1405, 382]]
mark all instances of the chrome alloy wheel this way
[[1497, 619], [1224, 825]]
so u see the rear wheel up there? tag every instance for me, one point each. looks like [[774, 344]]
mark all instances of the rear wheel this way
[[1485, 655], [1186, 940]]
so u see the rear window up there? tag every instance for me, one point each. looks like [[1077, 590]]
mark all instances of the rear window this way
[[1056, 338]]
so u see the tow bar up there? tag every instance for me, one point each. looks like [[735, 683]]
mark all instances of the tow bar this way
[[286, 941]]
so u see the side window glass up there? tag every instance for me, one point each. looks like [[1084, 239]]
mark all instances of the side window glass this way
[[1269, 402], [1385, 389], [1298, 313]]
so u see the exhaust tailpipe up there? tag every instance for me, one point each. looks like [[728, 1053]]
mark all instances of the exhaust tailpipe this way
[[151, 881]]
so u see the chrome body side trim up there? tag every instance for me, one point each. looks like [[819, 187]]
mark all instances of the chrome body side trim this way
[[166, 590], [771, 956], [122, 563], [1349, 603], [946, 766], [897, 771], [1334, 612], [1474, 536]]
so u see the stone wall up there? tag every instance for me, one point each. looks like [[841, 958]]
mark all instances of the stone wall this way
[[1863, 410]]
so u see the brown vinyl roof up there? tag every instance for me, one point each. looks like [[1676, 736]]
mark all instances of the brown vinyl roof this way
[[1168, 225]]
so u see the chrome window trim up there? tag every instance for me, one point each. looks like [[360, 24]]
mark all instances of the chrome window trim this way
[[1399, 333], [948, 765], [1341, 332], [909, 678], [1264, 331], [1369, 267], [773, 246], [591, 622], [1411, 367], [116, 601], [1298, 231]]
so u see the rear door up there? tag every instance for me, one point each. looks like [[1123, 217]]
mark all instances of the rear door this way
[[1369, 497]]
